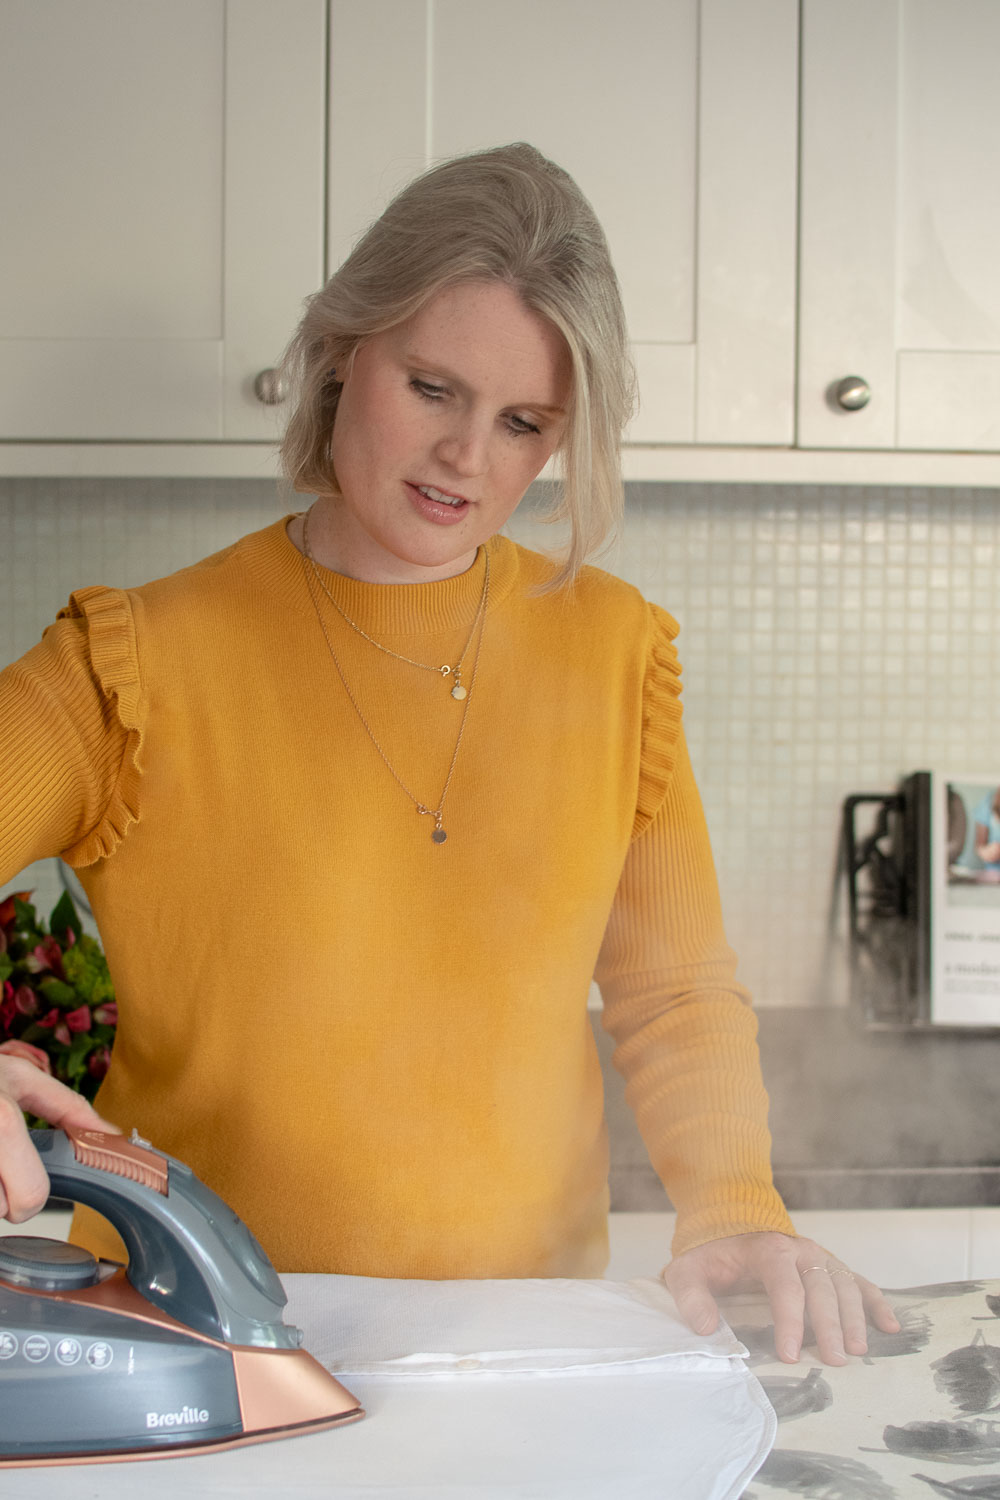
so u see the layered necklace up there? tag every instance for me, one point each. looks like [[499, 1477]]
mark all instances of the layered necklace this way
[[459, 691]]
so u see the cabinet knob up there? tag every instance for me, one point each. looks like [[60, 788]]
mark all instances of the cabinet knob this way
[[852, 393], [270, 388]]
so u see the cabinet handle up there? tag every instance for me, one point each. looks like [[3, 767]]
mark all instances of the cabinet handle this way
[[269, 388], [852, 393]]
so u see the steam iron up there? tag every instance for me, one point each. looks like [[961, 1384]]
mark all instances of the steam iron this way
[[184, 1350]]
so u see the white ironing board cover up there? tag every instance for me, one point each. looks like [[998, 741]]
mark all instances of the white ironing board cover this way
[[484, 1390], [542, 1388]]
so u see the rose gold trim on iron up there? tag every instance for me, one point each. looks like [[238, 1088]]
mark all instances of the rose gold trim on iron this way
[[139, 1455], [297, 1397], [296, 1391], [113, 1153], [118, 1296]]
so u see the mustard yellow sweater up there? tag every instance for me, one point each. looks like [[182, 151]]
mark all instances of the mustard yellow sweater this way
[[376, 1047]]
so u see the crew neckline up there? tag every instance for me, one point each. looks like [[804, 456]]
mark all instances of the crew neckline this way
[[392, 608]]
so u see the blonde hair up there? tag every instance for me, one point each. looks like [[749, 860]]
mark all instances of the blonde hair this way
[[507, 215]]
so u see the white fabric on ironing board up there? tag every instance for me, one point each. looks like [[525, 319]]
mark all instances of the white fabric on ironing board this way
[[436, 1328], [543, 1389]]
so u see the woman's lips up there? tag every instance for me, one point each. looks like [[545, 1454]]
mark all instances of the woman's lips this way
[[438, 511]]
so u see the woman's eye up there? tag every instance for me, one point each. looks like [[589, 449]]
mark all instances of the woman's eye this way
[[427, 390], [521, 425]]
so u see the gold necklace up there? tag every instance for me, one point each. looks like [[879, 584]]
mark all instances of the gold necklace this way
[[458, 690], [438, 833]]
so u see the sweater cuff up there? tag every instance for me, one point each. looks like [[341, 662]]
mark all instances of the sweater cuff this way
[[748, 1209]]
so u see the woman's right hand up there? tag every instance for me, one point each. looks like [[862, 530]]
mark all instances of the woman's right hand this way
[[24, 1185]]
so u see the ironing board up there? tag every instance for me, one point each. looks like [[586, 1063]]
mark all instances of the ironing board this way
[[920, 1415], [486, 1390]]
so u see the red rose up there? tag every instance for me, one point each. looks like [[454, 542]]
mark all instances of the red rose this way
[[79, 1020], [48, 955], [25, 1000], [8, 1010], [55, 1023], [29, 1053], [98, 1061], [107, 1014]]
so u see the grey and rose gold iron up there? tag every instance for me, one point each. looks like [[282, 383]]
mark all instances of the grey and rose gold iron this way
[[184, 1350]]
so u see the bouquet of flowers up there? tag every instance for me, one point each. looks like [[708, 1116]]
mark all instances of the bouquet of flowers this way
[[57, 1003]]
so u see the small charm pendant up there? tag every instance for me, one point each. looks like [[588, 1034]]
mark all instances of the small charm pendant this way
[[459, 692], [439, 835]]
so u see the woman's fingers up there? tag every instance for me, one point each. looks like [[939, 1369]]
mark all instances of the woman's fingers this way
[[24, 1185], [835, 1311], [688, 1284], [837, 1304], [853, 1321], [804, 1283], [877, 1307]]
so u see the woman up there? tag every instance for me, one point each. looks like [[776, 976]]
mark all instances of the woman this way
[[363, 802]]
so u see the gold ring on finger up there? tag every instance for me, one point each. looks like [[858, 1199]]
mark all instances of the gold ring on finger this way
[[842, 1271], [807, 1269]]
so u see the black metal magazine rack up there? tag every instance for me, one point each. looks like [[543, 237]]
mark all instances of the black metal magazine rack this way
[[888, 904]]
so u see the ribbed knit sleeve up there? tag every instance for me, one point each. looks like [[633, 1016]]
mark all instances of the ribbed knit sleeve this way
[[685, 1031], [70, 724]]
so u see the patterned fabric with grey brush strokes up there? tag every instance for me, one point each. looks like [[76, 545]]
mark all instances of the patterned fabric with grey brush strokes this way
[[919, 1414]]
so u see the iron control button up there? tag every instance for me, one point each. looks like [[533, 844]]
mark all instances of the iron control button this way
[[36, 1348], [45, 1265], [100, 1355], [8, 1346], [69, 1351]]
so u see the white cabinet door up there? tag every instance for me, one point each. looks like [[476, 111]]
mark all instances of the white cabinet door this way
[[162, 191], [901, 223], [678, 119]]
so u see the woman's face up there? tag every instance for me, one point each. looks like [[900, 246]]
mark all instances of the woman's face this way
[[442, 424]]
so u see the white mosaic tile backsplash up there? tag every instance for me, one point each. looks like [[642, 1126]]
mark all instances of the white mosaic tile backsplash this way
[[832, 639]]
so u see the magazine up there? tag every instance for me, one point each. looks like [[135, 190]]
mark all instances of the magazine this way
[[962, 872]]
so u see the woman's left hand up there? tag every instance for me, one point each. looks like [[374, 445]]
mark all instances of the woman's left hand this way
[[801, 1280]]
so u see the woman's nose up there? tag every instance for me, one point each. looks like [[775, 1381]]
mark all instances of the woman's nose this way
[[465, 449]]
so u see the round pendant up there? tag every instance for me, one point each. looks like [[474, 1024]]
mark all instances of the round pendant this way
[[458, 691], [439, 835]]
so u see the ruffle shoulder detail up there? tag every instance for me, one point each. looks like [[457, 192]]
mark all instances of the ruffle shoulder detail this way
[[114, 662], [661, 719]]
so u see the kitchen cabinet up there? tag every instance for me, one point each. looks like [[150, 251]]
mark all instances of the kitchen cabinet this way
[[162, 186], [677, 118], [185, 173], [900, 233]]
